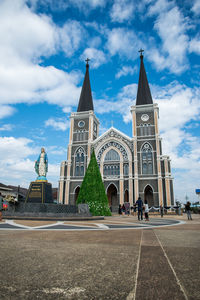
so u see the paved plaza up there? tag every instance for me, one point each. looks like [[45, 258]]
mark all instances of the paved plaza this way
[[114, 258]]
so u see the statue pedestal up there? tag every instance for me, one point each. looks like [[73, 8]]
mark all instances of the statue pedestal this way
[[39, 192]]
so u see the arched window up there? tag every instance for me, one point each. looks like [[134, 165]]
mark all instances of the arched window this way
[[77, 171], [111, 166], [141, 130], [112, 155], [145, 129], [111, 170], [79, 162], [147, 159], [126, 171]]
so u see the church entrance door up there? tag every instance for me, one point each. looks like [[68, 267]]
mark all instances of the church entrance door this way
[[112, 197], [126, 196], [148, 195], [77, 190]]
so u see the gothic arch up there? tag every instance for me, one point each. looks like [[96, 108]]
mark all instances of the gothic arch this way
[[78, 150], [76, 192], [148, 144], [79, 162], [112, 192], [146, 159], [109, 186], [126, 195], [107, 150], [114, 140], [148, 195], [149, 185]]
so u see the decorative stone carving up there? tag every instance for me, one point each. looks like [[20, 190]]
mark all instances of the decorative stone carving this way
[[116, 135], [115, 145]]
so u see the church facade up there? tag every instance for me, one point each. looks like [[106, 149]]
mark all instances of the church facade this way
[[130, 166]]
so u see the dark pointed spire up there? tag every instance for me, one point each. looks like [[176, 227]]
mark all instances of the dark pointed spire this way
[[85, 101], [143, 92]]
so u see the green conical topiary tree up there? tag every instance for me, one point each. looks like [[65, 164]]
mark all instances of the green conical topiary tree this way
[[92, 190]]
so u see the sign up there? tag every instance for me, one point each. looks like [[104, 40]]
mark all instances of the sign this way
[[198, 191], [36, 191]]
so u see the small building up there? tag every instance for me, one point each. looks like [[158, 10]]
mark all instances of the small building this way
[[15, 191]]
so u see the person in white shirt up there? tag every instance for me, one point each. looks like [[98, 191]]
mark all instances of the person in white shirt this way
[[146, 210]]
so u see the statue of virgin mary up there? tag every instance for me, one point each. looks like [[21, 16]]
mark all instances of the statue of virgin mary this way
[[41, 165]]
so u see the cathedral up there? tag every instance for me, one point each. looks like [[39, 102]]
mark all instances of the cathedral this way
[[130, 166]]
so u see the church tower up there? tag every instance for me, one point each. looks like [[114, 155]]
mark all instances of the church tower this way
[[152, 170], [84, 129]]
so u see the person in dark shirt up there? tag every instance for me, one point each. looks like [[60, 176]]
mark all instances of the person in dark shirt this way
[[188, 210], [139, 204]]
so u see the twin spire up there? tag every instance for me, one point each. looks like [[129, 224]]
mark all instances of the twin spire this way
[[85, 101], [143, 92]]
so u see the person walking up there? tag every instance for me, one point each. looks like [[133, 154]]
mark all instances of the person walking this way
[[139, 204], [123, 209], [120, 209], [1, 206], [161, 211], [127, 208], [146, 210], [188, 210], [134, 209]]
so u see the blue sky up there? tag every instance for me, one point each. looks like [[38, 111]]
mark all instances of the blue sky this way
[[43, 47]]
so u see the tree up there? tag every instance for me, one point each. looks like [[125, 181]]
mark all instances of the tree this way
[[92, 190]]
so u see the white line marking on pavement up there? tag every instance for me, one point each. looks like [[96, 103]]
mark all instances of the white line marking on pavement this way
[[48, 225], [12, 222], [178, 281], [132, 294], [102, 226]]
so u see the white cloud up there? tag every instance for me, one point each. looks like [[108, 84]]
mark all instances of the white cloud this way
[[16, 167], [97, 57], [60, 5], [122, 106], [122, 10], [22, 79], [159, 6], [179, 105], [86, 5], [196, 7], [58, 124], [6, 127], [126, 70], [22, 27], [123, 42], [194, 45], [12, 148], [6, 111], [171, 27], [71, 37]]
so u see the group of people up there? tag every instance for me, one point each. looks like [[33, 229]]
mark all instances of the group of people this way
[[140, 207], [125, 209]]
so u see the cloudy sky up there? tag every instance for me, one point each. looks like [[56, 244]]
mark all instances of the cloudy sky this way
[[43, 47]]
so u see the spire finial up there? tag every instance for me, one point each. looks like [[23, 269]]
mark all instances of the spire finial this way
[[87, 60], [141, 51]]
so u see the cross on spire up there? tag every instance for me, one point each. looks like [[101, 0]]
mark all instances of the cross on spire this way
[[87, 60], [141, 51]]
